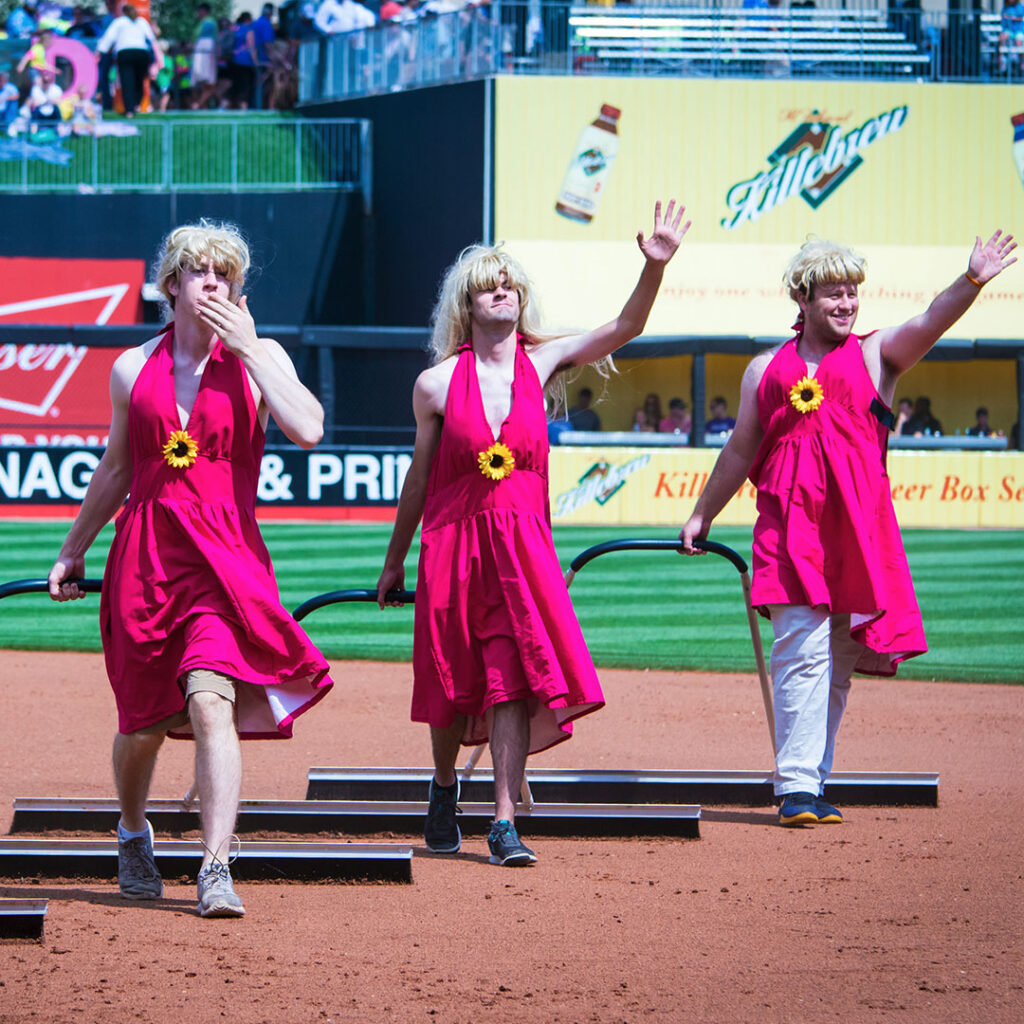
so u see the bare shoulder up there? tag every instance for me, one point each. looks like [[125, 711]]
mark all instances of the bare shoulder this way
[[432, 385], [755, 368], [128, 365]]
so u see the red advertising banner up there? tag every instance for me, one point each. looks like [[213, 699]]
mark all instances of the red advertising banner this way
[[56, 291], [59, 395]]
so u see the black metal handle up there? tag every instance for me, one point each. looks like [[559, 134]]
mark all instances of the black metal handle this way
[[344, 596], [640, 544], [43, 587]]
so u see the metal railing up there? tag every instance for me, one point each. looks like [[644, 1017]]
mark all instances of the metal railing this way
[[852, 39], [230, 153]]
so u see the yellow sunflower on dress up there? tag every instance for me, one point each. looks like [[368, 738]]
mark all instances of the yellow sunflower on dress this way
[[806, 395], [496, 462], [181, 450]]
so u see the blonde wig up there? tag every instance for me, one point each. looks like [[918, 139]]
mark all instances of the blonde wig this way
[[191, 245], [822, 262], [481, 268]]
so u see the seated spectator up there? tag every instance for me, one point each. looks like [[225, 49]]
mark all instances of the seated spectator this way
[[1011, 31], [334, 16], [581, 416], [83, 25], [641, 424], [43, 105], [678, 420], [922, 421], [981, 427], [21, 22], [904, 410], [10, 99], [652, 409], [719, 421], [84, 113]]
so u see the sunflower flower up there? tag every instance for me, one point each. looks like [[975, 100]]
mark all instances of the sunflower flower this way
[[181, 450], [806, 395], [497, 462]]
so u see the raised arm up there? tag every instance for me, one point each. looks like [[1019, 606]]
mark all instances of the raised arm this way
[[903, 346], [427, 399], [107, 488], [293, 406], [579, 349], [734, 461]]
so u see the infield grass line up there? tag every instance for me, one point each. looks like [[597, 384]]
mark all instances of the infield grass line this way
[[638, 609]]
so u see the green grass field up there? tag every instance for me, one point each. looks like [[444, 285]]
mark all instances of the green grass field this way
[[637, 609]]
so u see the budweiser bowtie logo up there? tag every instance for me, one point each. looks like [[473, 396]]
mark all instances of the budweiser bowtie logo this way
[[33, 376]]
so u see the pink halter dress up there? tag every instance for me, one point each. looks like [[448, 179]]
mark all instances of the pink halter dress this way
[[188, 582], [826, 532], [493, 619]]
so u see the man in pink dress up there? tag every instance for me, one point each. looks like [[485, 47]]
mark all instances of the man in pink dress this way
[[497, 652], [194, 635], [829, 566]]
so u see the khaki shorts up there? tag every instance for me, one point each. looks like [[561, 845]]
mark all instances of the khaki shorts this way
[[199, 680]]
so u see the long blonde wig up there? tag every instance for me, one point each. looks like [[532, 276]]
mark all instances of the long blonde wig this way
[[191, 245], [819, 262], [482, 268]]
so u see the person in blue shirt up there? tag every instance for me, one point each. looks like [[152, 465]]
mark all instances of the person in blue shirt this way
[[21, 22], [263, 35]]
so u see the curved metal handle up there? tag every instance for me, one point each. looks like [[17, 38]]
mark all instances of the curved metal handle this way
[[43, 587], [712, 547], [345, 596]]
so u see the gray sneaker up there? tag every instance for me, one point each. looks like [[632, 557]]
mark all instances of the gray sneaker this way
[[217, 896], [136, 869]]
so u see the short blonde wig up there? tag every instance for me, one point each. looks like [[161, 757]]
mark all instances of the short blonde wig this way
[[191, 245], [818, 262]]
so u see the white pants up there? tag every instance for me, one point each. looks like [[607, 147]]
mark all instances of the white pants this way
[[812, 659]]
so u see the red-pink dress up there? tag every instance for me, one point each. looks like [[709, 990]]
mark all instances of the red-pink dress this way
[[493, 618], [826, 532], [188, 582]]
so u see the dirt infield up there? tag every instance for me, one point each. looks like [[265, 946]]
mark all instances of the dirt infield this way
[[905, 914]]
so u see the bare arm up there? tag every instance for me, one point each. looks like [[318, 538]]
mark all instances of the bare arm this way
[[107, 488], [735, 460], [579, 349], [293, 406], [426, 401], [901, 347]]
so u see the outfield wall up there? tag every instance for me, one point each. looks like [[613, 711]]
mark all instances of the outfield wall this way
[[595, 486]]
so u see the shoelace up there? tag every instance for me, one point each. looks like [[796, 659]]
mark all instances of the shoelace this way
[[232, 840]]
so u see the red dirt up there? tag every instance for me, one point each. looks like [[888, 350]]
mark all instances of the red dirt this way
[[908, 914]]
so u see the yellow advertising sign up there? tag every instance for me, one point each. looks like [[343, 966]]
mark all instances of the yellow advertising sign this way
[[907, 173], [658, 487]]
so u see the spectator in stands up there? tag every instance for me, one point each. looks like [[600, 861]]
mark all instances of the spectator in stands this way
[[641, 424], [244, 63], [678, 420], [83, 25], [904, 410], [719, 422], [106, 60], [204, 59], [652, 409], [84, 113], [263, 31], [1011, 35], [10, 99], [922, 421], [981, 426], [37, 58], [335, 16], [581, 416], [225, 48], [21, 22], [43, 105], [135, 48]]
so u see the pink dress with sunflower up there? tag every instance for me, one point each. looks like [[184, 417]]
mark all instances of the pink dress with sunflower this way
[[188, 582], [826, 532], [493, 618]]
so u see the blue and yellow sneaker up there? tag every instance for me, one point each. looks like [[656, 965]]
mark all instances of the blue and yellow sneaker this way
[[827, 814], [798, 809]]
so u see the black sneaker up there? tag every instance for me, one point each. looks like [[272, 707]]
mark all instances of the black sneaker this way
[[441, 833], [507, 848]]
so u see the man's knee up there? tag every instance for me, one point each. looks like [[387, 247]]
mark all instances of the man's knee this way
[[209, 712]]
